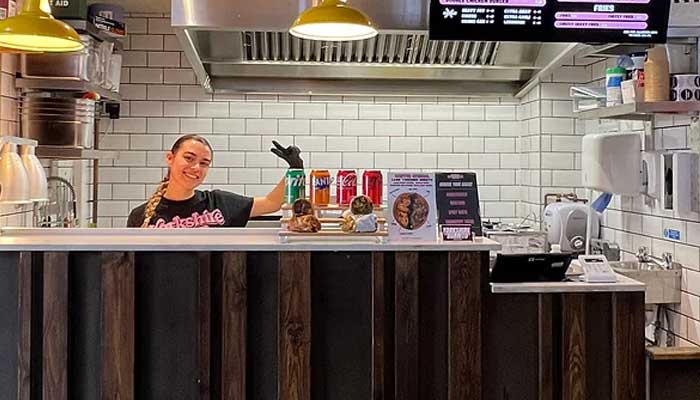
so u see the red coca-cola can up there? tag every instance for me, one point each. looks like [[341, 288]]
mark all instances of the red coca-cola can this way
[[346, 186], [372, 185]]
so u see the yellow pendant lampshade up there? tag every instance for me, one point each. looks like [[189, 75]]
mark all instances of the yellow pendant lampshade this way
[[333, 20], [34, 29]]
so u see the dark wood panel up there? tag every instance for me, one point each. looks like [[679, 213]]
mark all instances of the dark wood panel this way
[[677, 380], [465, 322], [378, 331], [204, 321], [545, 347], [406, 326], [234, 316], [25, 326], [599, 346], [85, 339], [118, 291], [55, 327], [509, 347], [167, 326], [628, 346], [574, 347], [10, 325], [295, 326], [433, 353], [263, 326]]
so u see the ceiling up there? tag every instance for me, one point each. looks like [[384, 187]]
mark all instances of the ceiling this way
[[140, 6]]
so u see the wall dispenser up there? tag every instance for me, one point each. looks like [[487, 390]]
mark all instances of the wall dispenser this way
[[611, 162]]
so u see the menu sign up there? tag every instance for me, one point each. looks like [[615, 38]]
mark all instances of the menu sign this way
[[613, 21], [457, 198], [412, 210]]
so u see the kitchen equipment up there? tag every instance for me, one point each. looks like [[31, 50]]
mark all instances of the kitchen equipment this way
[[518, 241], [58, 121], [61, 209], [79, 65], [565, 224], [612, 162], [610, 250]]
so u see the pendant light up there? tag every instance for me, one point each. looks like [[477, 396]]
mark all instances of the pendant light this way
[[34, 29], [38, 186], [14, 182], [333, 20]]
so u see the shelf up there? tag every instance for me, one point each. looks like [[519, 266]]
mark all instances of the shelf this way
[[641, 111], [18, 141], [71, 153], [66, 85]]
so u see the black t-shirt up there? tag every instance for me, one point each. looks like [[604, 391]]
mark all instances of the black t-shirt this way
[[203, 210]]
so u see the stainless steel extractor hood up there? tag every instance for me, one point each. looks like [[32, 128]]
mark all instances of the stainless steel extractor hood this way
[[242, 46]]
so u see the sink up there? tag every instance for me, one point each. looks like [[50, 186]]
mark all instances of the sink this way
[[663, 285]]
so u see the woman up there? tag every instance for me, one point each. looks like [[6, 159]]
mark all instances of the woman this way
[[176, 203]]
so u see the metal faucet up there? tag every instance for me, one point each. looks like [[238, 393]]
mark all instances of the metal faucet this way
[[665, 261]]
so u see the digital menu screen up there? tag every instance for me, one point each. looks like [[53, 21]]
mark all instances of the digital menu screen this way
[[588, 21]]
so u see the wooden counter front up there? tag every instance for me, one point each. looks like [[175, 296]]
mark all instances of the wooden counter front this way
[[297, 325]]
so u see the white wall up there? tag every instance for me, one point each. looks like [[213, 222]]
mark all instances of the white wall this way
[[162, 101]]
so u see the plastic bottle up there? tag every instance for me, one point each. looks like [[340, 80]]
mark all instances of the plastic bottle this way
[[613, 85], [657, 85]]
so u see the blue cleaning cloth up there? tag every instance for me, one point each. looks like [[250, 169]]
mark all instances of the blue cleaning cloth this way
[[602, 202]]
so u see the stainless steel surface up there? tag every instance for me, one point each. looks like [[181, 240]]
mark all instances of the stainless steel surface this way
[[226, 40], [72, 153], [279, 14], [663, 286], [665, 261], [641, 111], [58, 121], [60, 210], [66, 85]]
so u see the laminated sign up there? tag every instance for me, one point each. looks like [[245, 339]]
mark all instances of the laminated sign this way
[[412, 209], [458, 202]]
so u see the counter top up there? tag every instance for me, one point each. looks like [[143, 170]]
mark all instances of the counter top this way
[[623, 284], [219, 239]]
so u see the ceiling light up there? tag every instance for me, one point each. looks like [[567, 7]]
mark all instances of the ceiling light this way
[[333, 20], [34, 29]]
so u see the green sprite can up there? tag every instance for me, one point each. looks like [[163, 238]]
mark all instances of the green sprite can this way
[[295, 185]]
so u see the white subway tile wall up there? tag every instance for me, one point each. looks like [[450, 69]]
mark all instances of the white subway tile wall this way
[[632, 223], [162, 100]]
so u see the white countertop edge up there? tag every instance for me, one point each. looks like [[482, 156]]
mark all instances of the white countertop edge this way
[[220, 239], [623, 284]]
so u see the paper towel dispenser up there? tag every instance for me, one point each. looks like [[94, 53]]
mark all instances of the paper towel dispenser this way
[[611, 162]]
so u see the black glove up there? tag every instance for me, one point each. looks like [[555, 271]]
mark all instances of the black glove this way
[[289, 154]]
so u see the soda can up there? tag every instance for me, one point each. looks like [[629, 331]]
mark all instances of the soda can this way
[[295, 185], [320, 187], [346, 186], [372, 186]]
